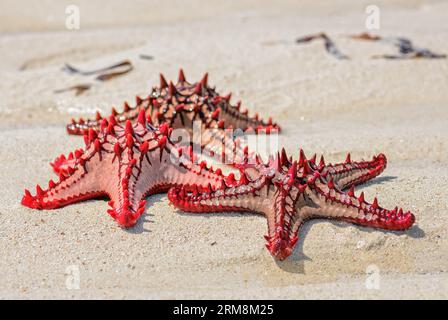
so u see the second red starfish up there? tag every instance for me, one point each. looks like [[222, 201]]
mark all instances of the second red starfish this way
[[289, 193]]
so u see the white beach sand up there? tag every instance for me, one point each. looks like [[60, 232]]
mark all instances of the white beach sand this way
[[363, 106]]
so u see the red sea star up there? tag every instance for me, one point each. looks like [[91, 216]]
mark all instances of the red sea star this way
[[125, 163], [290, 192], [179, 106]]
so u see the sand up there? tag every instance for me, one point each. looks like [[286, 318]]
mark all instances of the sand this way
[[363, 106]]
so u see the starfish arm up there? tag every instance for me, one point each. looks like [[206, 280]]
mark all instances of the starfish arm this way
[[62, 165], [127, 204], [283, 224], [352, 173], [330, 202], [191, 175], [219, 143], [78, 127], [206, 202], [233, 116], [80, 184], [228, 196], [81, 126]]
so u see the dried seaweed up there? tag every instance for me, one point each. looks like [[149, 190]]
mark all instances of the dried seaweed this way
[[330, 46], [406, 49], [104, 74], [111, 75], [146, 57], [79, 89], [70, 69]]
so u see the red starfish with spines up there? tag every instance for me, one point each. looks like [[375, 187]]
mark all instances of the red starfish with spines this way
[[290, 192], [179, 105], [125, 163]]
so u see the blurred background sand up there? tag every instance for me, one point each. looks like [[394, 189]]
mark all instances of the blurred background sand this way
[[363, 106]]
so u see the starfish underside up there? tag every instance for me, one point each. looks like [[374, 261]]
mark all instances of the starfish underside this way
[[290, 192], [125, 163]]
